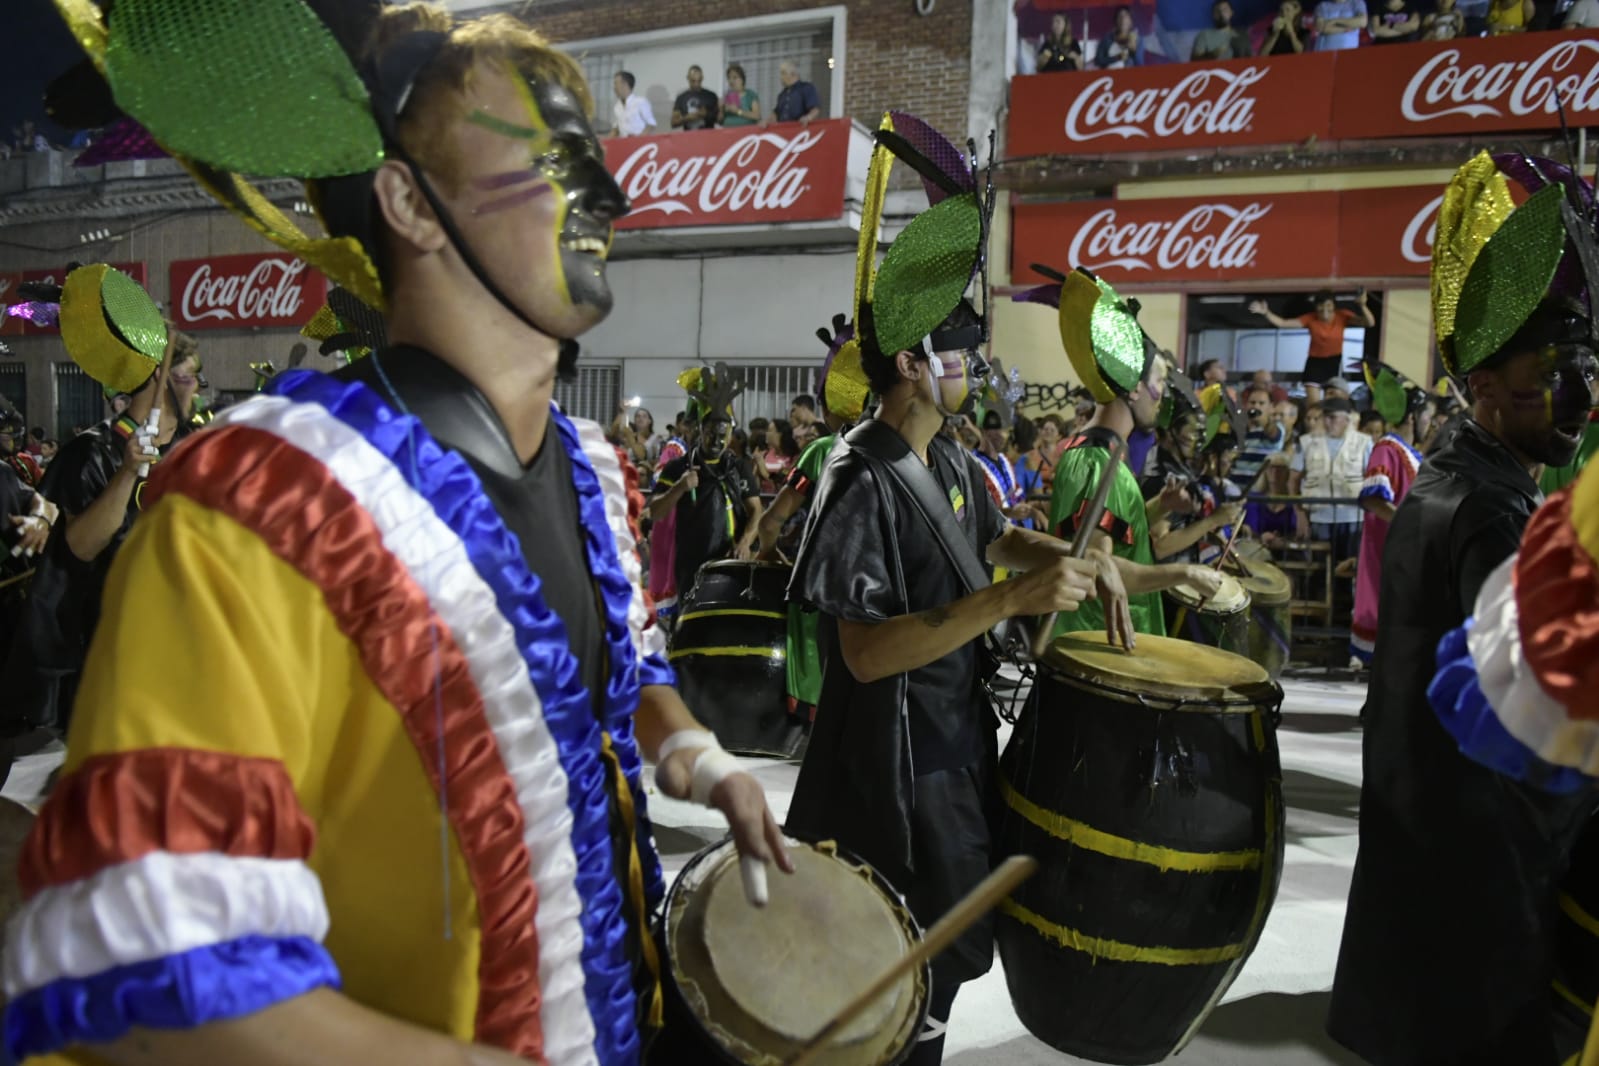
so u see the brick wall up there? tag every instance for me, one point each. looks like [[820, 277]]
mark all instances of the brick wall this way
[[896, 58]]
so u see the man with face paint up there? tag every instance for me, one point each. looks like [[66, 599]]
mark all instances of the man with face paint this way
[[716, 507], [902, 764], [1448, 945], [418, 832], [1127, 376], [1190, 518]]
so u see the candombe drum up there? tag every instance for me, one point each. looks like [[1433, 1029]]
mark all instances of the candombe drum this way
[[1271, 622], [730, 652], [1147, 786], [747, 986], [1222, 620]]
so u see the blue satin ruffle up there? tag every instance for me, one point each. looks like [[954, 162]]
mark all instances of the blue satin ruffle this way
[[1465, 713], [209, 984], [445, 480]]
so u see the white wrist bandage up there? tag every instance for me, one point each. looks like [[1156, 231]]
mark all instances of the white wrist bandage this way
[[712, 764]]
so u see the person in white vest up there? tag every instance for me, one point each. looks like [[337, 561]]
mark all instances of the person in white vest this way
[[1334, 465]]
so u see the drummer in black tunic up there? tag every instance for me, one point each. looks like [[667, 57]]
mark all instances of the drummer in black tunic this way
[[903, 756], [718, 507], [1446, 955]]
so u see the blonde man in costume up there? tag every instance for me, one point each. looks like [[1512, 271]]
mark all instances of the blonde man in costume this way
[[1127, 374], [902, 762], [1448, 941], [390, 809]]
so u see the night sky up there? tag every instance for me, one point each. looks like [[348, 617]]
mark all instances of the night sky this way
[[37, 48]]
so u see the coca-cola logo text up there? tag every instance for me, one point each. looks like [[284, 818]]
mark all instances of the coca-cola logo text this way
[[1422, 231], [1214, 237], [1208, 101], [271, 289], [732, 181], [1566, 73]]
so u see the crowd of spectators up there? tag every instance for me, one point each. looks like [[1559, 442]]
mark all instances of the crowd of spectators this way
[[699, 108], [1313, 26]]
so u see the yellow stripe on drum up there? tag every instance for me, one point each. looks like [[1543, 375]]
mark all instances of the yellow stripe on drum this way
[[775, 654], [1090, 839], [1115, 950], [1573, 910], [732, 612]]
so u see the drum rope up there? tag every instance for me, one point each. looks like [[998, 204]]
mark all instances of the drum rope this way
[[635, 879]]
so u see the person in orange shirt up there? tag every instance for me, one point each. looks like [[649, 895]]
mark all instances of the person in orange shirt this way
[[1326, 324]]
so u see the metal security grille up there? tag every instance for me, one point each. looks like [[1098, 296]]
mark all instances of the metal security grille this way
[[594, 395], [79, 401], [769, 388], [601, 68], [14, 388], [760, 57]]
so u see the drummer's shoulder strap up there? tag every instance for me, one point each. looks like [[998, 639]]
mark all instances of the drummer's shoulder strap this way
[[887, 454]]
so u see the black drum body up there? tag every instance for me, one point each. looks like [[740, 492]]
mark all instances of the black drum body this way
[[730, 652], [1157, 820], [1221, 621]]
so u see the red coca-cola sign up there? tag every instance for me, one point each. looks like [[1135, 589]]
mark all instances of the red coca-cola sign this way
[[782, 173], [1515, 82], [274, 289], [1388, 233], [1205, 239], [1173, 105], [58, 276]]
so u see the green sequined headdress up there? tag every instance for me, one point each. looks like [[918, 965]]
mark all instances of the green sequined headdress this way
[[1107, 348], [926, 272], [1494, 264], [1392, 394]]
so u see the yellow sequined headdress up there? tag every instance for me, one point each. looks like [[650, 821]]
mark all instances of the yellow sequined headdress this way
[[1494, 263], [111, 327], [844, 386]]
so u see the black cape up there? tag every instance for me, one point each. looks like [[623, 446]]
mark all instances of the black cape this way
[[1446, 954], [860, 783]]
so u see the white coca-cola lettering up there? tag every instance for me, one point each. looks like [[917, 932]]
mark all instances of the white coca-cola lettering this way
[[759, 171], [270, 290], [1206, 237], [1566, 73], [1207, 101], [1421, 232]]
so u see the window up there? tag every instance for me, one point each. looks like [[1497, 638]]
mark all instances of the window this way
[[79, 401], [601, 69], [594, 395], [761, 56], [14, 390], [769, 388]]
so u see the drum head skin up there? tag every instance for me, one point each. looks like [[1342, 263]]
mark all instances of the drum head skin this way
[[1266, 584], [1229, 600], [795, 963], [758, 983], [1165, 669]]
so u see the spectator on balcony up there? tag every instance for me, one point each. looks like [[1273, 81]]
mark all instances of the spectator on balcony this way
[[1122, 46], [1324, 361], [1285, 35], [631, 115], [1338, 24], [697, 107], [1221, 41], [1447, 23], [741, 106], [1508, 16], [1395, 22], [1582, 15], [798, 102], [1060, 50]]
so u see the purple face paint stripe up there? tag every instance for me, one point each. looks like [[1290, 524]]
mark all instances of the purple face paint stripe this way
[[1530, 398], [512, 200], [500, 181]]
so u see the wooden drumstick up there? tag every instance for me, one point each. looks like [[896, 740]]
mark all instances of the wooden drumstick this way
[[978, 902], [1085, 531]]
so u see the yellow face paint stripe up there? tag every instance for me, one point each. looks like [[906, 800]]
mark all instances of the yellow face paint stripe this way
[[1115, 950], [1097, 840], [730, 612], [537, 148], [777, 655], [1573, 910]]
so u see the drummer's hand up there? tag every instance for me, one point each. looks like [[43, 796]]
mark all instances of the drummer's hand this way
[[1174, 498], [1204, 580], [1062, 585], [1227, 514], [743, 551], [1271, 540], [756, 833], [1113, 598]]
